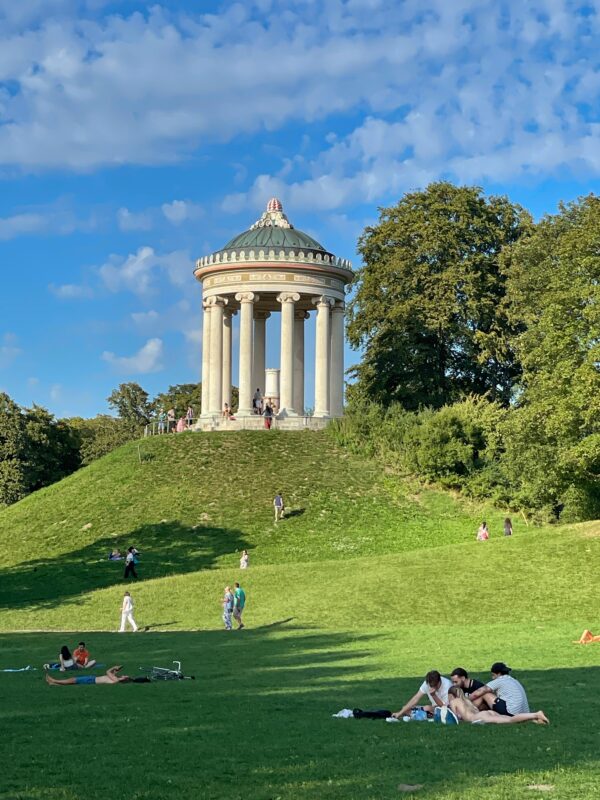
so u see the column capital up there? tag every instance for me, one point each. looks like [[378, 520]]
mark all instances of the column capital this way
[[301, 315], [288, 297], [216, 300], [324, 300], [339, 307], [247, 297], [262, 314]]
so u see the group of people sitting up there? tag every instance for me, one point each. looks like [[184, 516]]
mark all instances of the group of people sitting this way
[[483, 533], [502, 700], [78, 659]]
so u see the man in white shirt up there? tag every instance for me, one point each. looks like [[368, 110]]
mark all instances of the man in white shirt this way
[[435, 686], [504, 694], [127, 613]]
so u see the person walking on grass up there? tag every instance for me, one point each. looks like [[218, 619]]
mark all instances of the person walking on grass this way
[[483, 534], [110, 677], [227, 607], [278, 506], [239, 602], [268, 416], [244, 560], [127, 613], [460, 704], [507, 527], [130, 562]]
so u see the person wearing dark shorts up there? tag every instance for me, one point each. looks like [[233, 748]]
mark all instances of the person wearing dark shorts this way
[[111, 676], [503, 694]]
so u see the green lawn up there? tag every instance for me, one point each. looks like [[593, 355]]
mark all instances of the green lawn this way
[[351, 600]]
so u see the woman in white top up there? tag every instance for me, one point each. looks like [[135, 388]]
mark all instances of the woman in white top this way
[[66, 659], [460, 704], [244, 560]]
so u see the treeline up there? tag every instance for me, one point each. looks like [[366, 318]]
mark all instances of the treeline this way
[[481, 337], [36, 449]]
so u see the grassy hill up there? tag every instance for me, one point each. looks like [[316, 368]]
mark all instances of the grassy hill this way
[[368, 584]]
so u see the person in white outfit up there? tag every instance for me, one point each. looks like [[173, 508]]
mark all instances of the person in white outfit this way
[[127, 613]]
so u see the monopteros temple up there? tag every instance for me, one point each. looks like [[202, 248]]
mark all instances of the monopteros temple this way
[[273, 267]]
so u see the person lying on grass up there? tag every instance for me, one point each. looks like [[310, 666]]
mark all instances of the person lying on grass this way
[[504, 694], [464, 709], [435, 686], [109, 677], [587, 637]]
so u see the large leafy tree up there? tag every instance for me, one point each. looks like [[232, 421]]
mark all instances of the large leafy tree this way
[[132, 405], [429, 307], [552, 436]]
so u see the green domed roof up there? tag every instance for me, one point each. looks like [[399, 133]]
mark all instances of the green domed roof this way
[[274, 231], [274, 237]]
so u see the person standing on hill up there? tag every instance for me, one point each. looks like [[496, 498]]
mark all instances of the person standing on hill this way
[[268, 416], [239, 602], [227, 607], [244, 560], [278, 506], [130, 561], [483, 534], [507, 527], [127, 613]]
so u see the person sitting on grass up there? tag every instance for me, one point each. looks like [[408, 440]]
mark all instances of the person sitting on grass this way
[[435, 686], [82, 657], [587, 637], [110, 677], [115, 555], [65, 659], [464, 709], [504, 694], [460, 678]]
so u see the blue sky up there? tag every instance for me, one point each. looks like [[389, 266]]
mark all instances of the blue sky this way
[[135, 138]]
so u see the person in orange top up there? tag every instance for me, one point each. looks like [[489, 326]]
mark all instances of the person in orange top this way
[[82, 657]]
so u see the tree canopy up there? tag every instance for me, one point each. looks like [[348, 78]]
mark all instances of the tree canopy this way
[[429, 307]]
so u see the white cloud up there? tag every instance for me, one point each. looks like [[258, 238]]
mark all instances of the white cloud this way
[[146, 319], [33, 382], [55, 392], [21, 224], [147, 359], [180, 211], [143, 271], [9, 350], [131, 221], [70, 291]]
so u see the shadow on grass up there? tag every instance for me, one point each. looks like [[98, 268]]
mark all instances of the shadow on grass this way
[[168, 548], [275, 691], [294, 512]]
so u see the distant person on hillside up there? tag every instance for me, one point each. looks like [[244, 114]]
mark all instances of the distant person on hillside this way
[[127, 613], [435, 686], [227, 413], [244, 560], [467, 711], [189, 416], [130, 562], [170, 420], [460, 678], [162, 419], [227, 607], [278, 506], [65, 659], [257, 402], [508, 527], [268, 416], [181, 425], [109, 677], [239, 603], [504, 694], [587, 637], [483, 534], [82, 657], [115, 555]]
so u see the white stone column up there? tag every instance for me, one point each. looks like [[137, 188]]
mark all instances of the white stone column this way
[[260, 342], [226, 397], [215, 387], [246, 301], [205, 357], [322, 355], [299, 318], [286, 385], [336, 377]]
